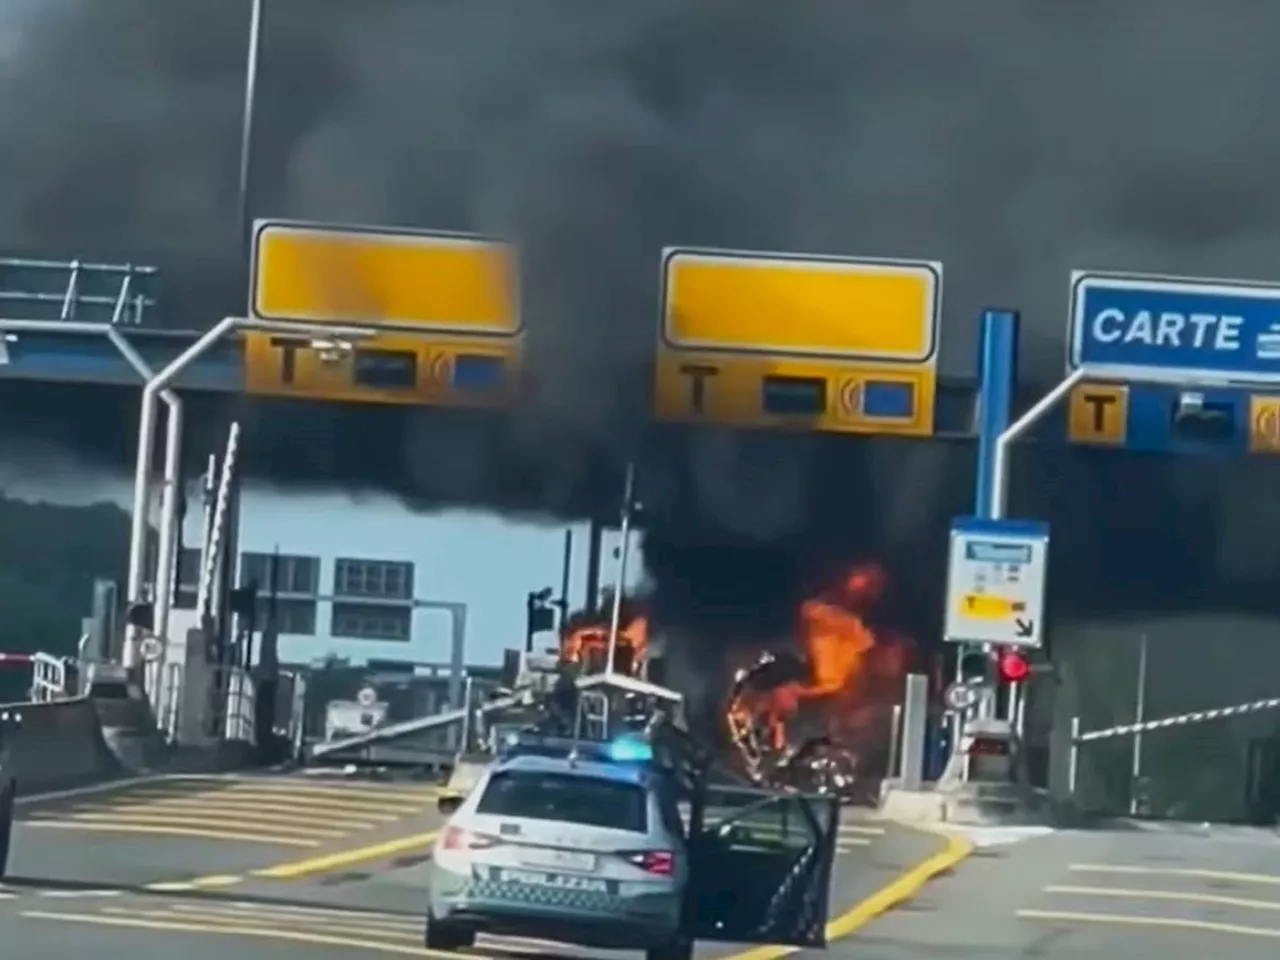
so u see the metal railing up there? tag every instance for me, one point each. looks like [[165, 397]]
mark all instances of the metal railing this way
[[76, 290], [48, 678], [168, 700], [239, 720]]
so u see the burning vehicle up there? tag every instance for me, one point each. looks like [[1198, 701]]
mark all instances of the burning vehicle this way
[[814, 714]]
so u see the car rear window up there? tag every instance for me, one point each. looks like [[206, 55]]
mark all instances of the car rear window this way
[[590, 801]]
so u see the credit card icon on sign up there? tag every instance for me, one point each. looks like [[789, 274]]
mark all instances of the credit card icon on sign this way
[[981, 606]]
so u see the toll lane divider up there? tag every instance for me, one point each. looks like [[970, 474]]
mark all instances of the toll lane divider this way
[[54, 746]]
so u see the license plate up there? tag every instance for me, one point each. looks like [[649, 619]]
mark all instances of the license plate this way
[[558, 881], [558, 859]]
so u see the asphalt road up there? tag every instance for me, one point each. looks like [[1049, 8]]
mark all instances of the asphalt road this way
[[1170, 891], [371, 911], [173, 832]]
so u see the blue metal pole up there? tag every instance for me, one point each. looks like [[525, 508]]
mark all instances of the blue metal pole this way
[[997, 364], [997, 374]]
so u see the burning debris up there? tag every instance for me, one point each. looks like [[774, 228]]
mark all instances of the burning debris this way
[[817, 716], [585, 641]]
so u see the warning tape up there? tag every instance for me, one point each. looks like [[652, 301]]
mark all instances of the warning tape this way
[[1185, 719]]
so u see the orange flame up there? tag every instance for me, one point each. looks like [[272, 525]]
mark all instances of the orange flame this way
[[588, 645], [851, 675]]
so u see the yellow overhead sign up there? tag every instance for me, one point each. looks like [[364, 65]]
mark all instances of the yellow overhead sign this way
[[441, 314], [807, 342], [450, 283], [807, 306]]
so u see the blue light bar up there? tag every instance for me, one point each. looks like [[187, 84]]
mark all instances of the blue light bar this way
[[630, 750], [625, 749]]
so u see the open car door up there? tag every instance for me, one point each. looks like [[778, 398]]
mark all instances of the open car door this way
[[761, 866]]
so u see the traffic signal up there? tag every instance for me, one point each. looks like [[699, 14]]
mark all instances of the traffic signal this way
[[539, 616], [1012, 666], [975, 665]]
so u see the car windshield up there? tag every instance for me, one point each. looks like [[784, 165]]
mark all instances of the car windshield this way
[[590, 801]]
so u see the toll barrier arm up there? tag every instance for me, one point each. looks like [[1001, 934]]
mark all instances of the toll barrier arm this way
[[406, 728]]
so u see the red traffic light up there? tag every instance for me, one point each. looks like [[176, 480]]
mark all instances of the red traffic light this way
[[1013, 667]]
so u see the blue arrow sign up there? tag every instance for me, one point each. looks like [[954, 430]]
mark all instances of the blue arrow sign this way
[[1126, 326]]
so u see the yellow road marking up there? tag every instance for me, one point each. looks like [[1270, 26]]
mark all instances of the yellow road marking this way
[[217, 880], [293, 789], [1181, 896], [1262, 878], [261, 831], [217, 798], [1135, 921], [259, 811], [262, 933], [170, 832], [294, 869], [886, 898]]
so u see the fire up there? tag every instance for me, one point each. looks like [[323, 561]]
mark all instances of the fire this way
[[586, 643], [839, 691]]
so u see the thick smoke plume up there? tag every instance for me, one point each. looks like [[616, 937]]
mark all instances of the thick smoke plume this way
[[1013, 143]]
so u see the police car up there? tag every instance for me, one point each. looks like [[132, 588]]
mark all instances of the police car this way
[[587, 843]]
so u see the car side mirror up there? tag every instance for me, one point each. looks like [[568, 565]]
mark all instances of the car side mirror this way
[[448, 804]]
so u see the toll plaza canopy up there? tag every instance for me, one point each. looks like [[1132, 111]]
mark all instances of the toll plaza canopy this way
[[827, 344], [440, 325]]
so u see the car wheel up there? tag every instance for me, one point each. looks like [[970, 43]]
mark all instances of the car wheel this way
[[442, 935], [675, 950]]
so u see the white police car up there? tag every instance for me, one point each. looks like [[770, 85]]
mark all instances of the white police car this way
[[586, 844]]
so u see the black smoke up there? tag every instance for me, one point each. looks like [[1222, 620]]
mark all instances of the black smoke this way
[[1013, 142]]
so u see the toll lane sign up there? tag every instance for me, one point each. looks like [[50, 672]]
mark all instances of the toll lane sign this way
[[1127, 326], [1098, 414], [803, 342], [996, 582], [438, 314]]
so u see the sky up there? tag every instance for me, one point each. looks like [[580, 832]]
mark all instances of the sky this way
[[486, 562]]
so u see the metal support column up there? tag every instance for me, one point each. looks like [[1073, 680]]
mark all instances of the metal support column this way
[[997, 370], [624, 551]]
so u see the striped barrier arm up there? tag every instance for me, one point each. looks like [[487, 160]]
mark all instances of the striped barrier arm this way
[[1182, 720]]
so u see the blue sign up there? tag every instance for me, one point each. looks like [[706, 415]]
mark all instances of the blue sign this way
[[1218, 331]]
